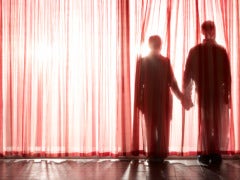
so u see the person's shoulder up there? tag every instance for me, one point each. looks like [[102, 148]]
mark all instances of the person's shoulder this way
[[214, 45], [145, 59], [156, 57], [163, 58], [196, 47], [220, 47], [195, 50]]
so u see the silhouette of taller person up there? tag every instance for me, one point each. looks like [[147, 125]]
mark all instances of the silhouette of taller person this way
[[208, 67], [154, 100]]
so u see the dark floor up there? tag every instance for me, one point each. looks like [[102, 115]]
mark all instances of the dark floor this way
[[111, 169]]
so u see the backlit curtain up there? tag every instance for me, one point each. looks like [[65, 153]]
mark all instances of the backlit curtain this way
[[65, 78], [68, 70], [178, 23]]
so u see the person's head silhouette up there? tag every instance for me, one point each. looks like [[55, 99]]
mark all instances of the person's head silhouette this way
[[155, 43], [208, 30]]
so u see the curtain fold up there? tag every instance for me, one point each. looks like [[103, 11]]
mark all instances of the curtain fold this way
[[68, 71]]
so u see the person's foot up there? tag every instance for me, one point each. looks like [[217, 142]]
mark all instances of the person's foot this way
[[154, 160], [215, 159], [204, 159]]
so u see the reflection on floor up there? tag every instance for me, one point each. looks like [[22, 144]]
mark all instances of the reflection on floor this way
[[111, 169]]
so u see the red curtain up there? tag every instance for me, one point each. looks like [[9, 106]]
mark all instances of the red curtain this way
[[68, 72], [64, 73], [178, 23]]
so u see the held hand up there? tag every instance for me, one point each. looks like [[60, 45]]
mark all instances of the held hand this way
[[187, 94], [186, 102]]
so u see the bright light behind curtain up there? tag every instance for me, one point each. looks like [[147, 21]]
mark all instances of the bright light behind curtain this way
[[63, 75], [67, 67], [178, 24]]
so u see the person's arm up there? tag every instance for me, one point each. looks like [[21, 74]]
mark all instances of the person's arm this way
[[227, 79], [187, 75], [174, 85], [139, 84], [188, 82], [185, 100]]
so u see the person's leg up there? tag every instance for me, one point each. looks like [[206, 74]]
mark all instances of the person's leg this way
[[215, 153], [204, 135]]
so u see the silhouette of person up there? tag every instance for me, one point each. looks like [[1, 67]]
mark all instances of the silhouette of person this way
[[154, 99], [208, 66]]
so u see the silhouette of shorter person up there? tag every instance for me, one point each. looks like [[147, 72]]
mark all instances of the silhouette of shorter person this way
[[208, 67], [154, 98]]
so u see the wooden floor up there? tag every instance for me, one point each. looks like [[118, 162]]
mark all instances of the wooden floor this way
[[111, 169]]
